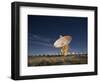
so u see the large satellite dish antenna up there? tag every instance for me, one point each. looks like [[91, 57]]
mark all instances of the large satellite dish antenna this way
[[63, 44]]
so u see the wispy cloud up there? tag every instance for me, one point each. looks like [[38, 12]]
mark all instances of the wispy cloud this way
[[42, 44], [40, 40]]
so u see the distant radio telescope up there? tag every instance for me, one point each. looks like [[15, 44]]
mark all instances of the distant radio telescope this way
[[63, 44]]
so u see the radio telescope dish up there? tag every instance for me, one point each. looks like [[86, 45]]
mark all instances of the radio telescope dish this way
[[62, 41], [63, 44]]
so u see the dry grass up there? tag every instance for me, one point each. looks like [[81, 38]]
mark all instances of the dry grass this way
[[56, 60]]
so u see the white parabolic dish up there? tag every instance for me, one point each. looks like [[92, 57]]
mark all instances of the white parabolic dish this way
[[62, 41]]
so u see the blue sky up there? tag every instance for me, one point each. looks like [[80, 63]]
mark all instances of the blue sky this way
[[43, 31]]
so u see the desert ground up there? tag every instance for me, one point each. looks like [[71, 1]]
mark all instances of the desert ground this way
[[48, 60]]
